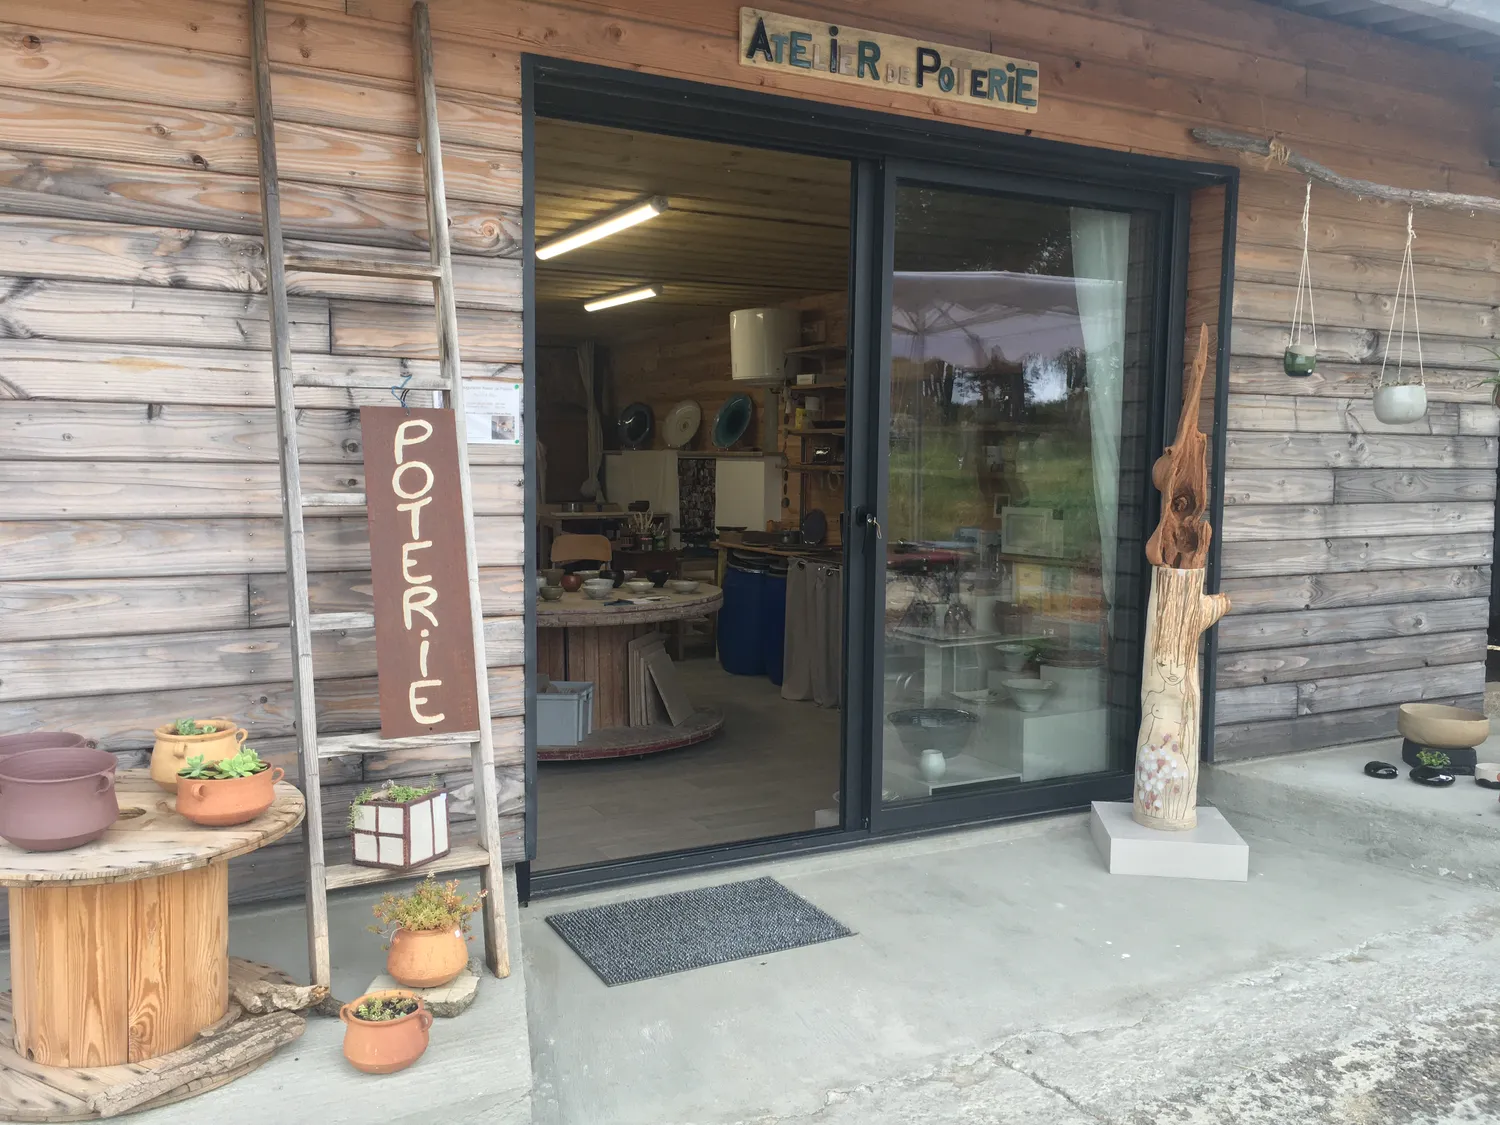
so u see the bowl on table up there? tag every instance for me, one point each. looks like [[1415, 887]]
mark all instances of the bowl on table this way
[[551, 593], [1029, 694], [1014, 656], [944, 729], [682, 585], [639, 586], [571, 582], [587, 575], [598, 593], [658, 577]]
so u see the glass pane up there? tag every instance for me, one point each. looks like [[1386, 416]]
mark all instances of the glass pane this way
[[1020, 335]]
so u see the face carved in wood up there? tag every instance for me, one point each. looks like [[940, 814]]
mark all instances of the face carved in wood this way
[[1183, 535]]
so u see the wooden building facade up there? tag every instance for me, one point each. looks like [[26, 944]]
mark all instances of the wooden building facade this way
[[141, 559]]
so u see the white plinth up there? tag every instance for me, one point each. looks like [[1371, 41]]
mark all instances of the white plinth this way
[[1213, 850]]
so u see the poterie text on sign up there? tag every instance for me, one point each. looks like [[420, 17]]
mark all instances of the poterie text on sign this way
[[829, 49], [424, 647]]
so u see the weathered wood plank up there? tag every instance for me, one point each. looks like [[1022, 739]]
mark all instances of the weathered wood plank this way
[[1368, 310], [72, 126], [73, 490], [1359, 486], [1363, 451], [1357, 273], [1347, 693], [1257, 702], [1306, 414], [126, 721], [1353, 623], [161, 661], [501, 593], [1313, 732], [153, 375], [89, 608], [1479, 418], [134, 314], [115, 548], [178, 258], [1275, 486], [1338, 345], [1321, 556], [73, 188], [367, 328], [1298, 663], [1274, 522], [197, 79], [1257, 375], [1335, 591]]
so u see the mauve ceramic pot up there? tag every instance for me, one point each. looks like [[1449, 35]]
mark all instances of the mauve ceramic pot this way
[[39, 740], [57, 798]]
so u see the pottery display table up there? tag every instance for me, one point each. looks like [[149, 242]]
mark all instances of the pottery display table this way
[[582, 639], [119, 949]]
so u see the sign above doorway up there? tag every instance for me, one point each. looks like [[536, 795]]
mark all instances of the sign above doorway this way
[[823, 49]]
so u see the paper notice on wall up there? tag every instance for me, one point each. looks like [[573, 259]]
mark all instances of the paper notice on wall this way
[[493, 411]]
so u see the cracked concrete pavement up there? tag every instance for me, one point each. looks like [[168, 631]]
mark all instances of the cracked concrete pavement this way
[[1001, 977]]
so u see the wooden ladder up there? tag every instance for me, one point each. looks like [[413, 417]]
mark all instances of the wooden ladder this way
[[485, 856]]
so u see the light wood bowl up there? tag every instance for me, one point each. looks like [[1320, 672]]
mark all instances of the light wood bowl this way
[[1442, 727]]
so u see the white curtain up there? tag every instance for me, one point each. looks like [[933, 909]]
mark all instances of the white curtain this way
[[590, 488], [1101, 252]]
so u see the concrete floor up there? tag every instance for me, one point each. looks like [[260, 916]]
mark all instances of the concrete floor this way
[[477, 1068], [1001, 976], [775, 763]]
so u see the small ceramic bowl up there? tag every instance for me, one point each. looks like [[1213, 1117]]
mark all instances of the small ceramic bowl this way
[[1014, 656], [1029, 694], [598, 593], [551, 593], [1299, 361], [1487, 774], [639, 586], [587, 575], [682, 585], [571, 582]]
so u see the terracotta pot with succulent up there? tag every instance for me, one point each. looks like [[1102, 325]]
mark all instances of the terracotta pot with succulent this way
[[428, 932], [209, 739], [385, 1031], [399, 826], [231, 791]]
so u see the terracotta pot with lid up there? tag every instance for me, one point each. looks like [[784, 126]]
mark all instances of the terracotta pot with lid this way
[[57, 798]]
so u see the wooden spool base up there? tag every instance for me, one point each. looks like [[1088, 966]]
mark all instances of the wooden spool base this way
[[32, 1092], [627, 742]]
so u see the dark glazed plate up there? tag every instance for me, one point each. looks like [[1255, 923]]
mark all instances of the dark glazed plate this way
[[732, 420], [636, 426]]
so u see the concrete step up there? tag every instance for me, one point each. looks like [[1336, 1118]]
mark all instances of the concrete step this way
[[1322, 801]]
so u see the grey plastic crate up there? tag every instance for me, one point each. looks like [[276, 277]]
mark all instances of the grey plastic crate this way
[[565, 713]]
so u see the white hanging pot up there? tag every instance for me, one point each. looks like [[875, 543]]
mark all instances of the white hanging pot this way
[[1399, 403]]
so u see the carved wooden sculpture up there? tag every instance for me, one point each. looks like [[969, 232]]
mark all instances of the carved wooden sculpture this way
[[1166, 756]]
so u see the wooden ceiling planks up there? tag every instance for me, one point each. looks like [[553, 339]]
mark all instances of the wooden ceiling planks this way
[[746, 227]]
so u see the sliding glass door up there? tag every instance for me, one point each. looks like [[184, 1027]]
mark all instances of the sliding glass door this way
[[1024, 350]]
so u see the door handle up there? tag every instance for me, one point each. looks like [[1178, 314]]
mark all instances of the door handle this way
[[868, 519]]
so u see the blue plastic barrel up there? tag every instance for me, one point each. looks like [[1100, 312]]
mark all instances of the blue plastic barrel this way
[[741, 623]]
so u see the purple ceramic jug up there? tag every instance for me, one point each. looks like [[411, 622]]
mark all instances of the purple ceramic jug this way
[[57, 798]]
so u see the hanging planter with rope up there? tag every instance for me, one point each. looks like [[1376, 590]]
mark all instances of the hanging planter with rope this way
[[1402, 399], [1301, 356]]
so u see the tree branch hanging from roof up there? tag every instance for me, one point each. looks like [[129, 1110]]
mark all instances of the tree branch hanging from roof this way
[[1275, 151]]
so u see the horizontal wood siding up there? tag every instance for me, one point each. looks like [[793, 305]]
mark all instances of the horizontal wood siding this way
[[140, 551], [143, 575]]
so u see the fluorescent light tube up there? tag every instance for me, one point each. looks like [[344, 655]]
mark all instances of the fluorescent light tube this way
[[603, 228], [629, 296]]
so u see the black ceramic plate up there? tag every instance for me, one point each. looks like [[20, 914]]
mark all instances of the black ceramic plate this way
[[732, 420], [814, 524], [636, 425]]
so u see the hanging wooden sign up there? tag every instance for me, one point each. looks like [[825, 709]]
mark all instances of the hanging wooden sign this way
[[827, 49], [424, 646]]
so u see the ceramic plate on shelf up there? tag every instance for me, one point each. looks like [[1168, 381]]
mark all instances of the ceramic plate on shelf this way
[[814, 525], [732, 420], [682, 423]]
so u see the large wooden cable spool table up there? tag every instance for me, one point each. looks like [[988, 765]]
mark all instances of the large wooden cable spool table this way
[[582, 639], [120, 948]]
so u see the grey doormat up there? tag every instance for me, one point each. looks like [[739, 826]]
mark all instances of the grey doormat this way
[[653, 937]]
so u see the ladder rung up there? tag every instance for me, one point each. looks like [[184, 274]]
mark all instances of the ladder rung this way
[[366, 382], [337, 622], [333, 499], [337, 746], [361, 267], [464, 857]]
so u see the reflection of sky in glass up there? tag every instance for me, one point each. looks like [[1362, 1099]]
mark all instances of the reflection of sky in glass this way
[[1046, 380]]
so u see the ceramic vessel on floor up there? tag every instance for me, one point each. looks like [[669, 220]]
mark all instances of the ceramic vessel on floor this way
[[386, 1046], [1442, 726]]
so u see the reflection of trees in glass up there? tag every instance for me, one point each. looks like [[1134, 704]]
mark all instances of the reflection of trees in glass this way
[[955, 231], [942, 418]]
